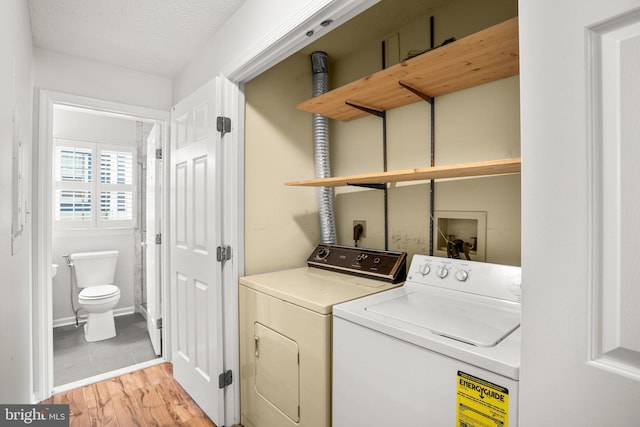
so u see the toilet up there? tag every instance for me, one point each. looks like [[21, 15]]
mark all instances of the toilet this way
[[94, 272]]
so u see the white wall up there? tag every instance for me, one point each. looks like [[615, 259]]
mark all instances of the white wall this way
[[93, 128], [76, 76], [86, 126], [15, 286]]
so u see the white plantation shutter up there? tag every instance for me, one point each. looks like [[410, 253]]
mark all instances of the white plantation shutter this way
[[116, 186], [73, 201], [116, 205], [94, 185], [73, 205]]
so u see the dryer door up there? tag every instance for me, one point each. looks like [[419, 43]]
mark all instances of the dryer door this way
[[277, 370]]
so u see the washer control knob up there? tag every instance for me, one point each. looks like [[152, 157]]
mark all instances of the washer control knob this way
[[442, 272], [361, 257], [424, 269], [377, 261], [462, 275]]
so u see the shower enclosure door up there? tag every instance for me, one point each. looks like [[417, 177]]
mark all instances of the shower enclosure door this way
[[153, 227]]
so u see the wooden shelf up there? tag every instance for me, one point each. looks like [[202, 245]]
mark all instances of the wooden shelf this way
[[485, 56], [475, 169]]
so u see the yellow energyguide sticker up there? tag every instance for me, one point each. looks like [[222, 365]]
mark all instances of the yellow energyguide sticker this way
[[480, 403]]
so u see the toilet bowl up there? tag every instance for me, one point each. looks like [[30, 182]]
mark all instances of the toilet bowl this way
[[94, 272], [98, 302]]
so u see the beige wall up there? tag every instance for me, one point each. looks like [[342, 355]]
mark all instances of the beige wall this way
[[480, 123], [281, 223]]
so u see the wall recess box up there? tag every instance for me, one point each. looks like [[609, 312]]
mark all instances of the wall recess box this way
[[463, 225]]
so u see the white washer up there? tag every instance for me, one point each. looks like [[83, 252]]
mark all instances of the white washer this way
[[443, 350]]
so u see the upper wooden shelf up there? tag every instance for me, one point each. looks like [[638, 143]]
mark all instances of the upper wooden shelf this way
[[485, 56], [486, 168]]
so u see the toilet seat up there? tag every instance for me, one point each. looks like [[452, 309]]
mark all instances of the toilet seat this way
[[100, 292]]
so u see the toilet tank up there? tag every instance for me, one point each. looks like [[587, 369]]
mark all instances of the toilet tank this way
[[94, 268]]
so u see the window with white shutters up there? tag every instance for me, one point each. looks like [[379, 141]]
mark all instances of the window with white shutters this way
[[116, 186], [94, 185]]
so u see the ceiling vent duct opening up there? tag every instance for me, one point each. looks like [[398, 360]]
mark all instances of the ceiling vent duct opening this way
[[319, 69]]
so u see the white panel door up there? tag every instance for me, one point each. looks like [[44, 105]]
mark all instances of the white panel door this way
[[153, 227], [580, 62], [195, 193]]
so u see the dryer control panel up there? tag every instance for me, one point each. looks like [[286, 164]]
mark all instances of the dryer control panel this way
[[389, 266]]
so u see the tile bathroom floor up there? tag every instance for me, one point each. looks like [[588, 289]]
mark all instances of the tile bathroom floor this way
[[75, 359]]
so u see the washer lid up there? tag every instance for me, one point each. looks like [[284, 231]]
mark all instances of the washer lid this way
[[479, 321], [96, 292]]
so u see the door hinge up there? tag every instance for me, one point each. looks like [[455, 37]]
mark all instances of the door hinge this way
[[159, 323], [225, 379], [223, 253], [224, 125], [158, 153], [158, 239]]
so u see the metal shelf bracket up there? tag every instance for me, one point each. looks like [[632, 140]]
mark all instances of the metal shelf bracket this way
[[374, 186], [415, 91], [371, 111]]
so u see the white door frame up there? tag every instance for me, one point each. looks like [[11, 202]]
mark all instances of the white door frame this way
[[232, 235], [42, 293]]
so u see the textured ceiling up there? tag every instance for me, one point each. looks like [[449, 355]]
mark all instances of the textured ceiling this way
[[154, 36]]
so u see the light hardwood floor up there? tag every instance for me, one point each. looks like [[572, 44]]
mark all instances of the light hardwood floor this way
[[145, 398]]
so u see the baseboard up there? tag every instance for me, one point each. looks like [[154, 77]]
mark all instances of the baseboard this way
[[143, 310], [64, 321]]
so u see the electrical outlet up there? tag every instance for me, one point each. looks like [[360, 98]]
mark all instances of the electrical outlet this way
[[364, 226]]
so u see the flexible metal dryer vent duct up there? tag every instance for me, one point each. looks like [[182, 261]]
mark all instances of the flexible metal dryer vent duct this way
[[321, 151]]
